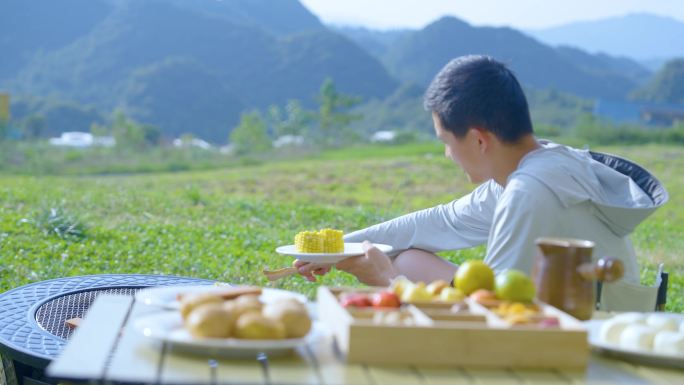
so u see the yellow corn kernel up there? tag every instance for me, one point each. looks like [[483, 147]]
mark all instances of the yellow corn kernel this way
[[308, 242], [332, 240], [323, 241]]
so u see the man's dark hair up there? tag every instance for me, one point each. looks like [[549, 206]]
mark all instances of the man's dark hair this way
[[478, 91]]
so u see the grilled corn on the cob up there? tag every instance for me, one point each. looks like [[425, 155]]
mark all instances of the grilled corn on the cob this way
[[323, 241]]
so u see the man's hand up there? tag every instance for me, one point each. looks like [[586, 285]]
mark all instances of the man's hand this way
[[374, 268], [308, 269]]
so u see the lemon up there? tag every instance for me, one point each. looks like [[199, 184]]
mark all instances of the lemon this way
[[473, 275]]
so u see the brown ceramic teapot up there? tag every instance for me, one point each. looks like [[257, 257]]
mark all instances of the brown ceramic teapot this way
[[565, 275]]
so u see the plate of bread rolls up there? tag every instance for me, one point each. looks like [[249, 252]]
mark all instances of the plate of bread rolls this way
[[655, 338], [169, 297], [228, 321]]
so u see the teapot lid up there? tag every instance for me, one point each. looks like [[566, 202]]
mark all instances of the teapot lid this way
[[564, 242]]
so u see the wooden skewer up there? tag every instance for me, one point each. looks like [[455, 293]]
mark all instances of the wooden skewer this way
[[274, 275]]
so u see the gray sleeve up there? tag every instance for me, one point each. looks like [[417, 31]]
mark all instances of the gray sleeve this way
[[459, 224], [526, 210]]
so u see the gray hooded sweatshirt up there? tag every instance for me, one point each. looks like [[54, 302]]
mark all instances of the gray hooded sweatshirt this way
[[556, 191]]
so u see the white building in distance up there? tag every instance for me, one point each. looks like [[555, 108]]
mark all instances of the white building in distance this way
[[191, 142], [383, 136], [82, 140]]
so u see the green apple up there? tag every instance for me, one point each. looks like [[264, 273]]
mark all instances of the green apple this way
[[514, 285]]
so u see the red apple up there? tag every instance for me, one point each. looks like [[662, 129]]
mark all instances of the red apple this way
[[550, 322], [355, 300], [385, 299]]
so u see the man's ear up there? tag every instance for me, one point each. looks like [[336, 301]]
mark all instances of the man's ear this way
[[483, 138]]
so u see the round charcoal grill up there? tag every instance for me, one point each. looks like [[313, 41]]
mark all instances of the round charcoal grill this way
[[33, 317], [53, 314]]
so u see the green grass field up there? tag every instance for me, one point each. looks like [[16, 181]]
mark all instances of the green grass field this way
[[224, 224]]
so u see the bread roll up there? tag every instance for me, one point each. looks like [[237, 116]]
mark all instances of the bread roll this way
[[246, 304], [189, 302], [254, 325], [294, 317], [226, 293], [210, 320]]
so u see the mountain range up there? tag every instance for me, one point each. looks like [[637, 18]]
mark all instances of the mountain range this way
[[185, 66], [418, 56], [648, 38], [193, 66]]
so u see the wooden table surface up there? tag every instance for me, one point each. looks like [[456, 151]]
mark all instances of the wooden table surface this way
[[105, 348]]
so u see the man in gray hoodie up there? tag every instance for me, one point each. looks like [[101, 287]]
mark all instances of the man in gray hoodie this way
[[528, 188]]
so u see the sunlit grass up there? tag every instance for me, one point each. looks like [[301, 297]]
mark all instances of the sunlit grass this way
[[224, 224]]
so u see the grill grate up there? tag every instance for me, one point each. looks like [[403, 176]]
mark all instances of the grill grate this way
[[52, 315]]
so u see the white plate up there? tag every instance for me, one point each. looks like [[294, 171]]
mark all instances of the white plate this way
[[168, 327], [638, 356], [350, 250], [166, 296]]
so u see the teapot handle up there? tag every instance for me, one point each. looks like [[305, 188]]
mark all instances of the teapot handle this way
[[606, 269]]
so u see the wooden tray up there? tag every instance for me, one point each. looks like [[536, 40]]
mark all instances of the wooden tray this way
[[474, 337]]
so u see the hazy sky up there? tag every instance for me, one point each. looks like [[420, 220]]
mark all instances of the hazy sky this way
[[521, 14]]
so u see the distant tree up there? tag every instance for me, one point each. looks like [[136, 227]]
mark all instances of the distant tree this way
[[126, 132], [152, 134], [667, 85], [275, 120], [99, 130], [251, 135], [33, 126], [334, 117], [130, 134], [293, 120]]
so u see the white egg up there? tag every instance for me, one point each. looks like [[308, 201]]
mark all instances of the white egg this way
[[669, 342], [638, 337], [663, 322]]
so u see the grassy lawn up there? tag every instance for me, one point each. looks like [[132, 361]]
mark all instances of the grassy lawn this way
[[224, 224]]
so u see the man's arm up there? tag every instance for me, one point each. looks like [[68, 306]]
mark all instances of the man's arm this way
[[526, 211], [456, 225], [459, 224]]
